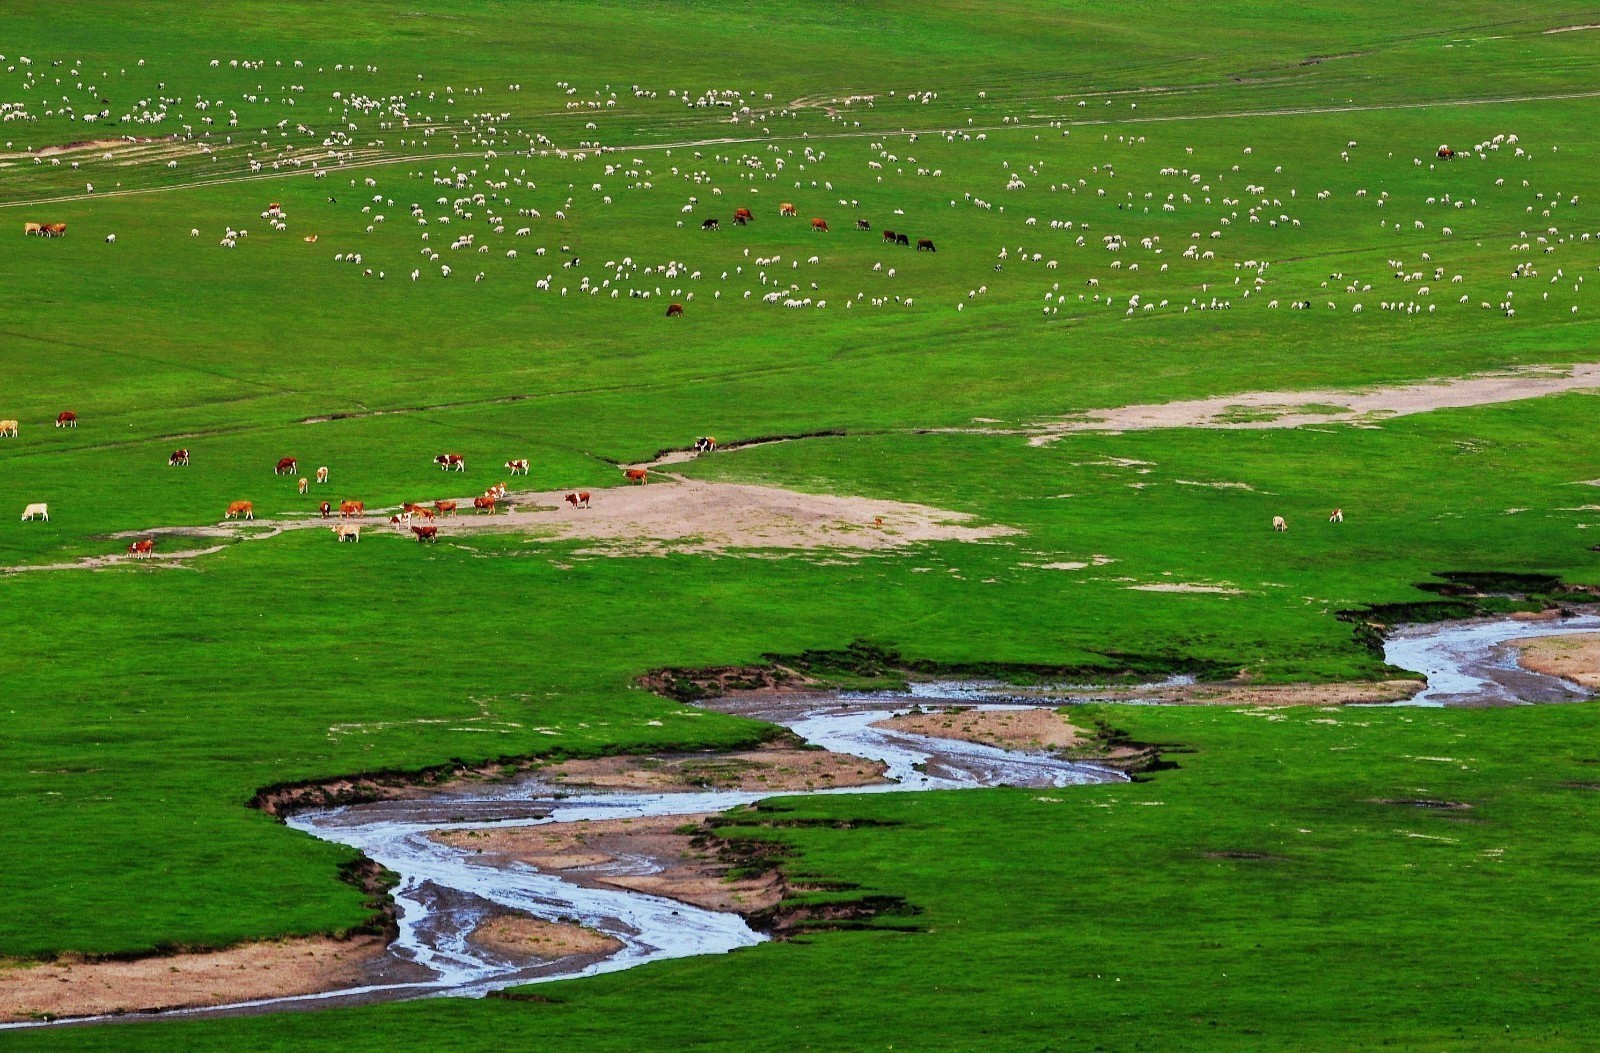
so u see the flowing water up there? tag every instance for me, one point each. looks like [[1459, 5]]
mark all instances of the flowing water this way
[[445, 892]]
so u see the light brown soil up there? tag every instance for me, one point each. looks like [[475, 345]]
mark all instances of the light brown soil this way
[[779, 770], [518, 936], [1293, 409], [1361, 692], [251, 971], [688, 873], [1575, 658], [1186, 586], [1015, 729]]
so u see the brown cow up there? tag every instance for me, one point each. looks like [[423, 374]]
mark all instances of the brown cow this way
[[142, 549], [786, 209], [451, 462], [326, 510], [241, 509], [889, 236], [286, 466], [820, 224], [578, 500], [426, 533], [518, 466], [446, 508], [925, 245], [412, 508], [483, 503], [55, 230], [741, 216], [66, 419], [179, 459], [637, 475], [352, 508], [675, 310], [497, 491]]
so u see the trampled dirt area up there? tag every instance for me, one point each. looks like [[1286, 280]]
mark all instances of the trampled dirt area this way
[[1293, 409], [778, 770], [519, 936], [1014, 729], [1575, 658], [686, 872], [273, 969]]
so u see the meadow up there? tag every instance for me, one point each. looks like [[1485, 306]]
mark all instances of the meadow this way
[[146, 705]]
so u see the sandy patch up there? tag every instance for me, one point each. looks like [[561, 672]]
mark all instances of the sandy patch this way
[[1293, 409], [1360, 692], [681, 869], [1186, 586], [518, 936], [1573, 29], [251, 971], [1575, 658], [778, 770], [1013, 729]]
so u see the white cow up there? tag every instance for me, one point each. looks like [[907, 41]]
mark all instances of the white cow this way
[[40, 510]]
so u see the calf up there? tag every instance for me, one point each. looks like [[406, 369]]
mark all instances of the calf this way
[[179, 459], [578, 500], [637, 475], [347, 532], [426, 533], [517, 467], [142, 549], [445, 508], [66, 419], [240, 510], [286, 466], [451, 462], [352, 508], [40, 510], [484, 504]]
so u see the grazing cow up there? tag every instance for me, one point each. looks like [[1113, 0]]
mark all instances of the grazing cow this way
[[352, 508], [305, 484], [862, 224], [820, 224], [704, 444], [40, 510], [322, 474], [142, 549], [66, 419], [1446, 153], [1279, 525], [8, 428], [326, 510], [55, 230], [347, 532], [445, 508], [179, 459], [925, 245], [286, 466], [1337, 517], [675, 310], [497, 491], [637, 475], [411, 508], [578, 500], [420, 512], [889, 236], [518, 466], [741, 216], [902, 239], [451, 462], [400, 519], [710, 224], [240, 510], [426, 533], [33, 228], [786, 209], [484, 504]]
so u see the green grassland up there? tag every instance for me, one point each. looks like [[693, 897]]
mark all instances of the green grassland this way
[[144, 706]]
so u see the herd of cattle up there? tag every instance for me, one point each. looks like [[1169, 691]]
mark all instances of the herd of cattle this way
[[426, 532], [45, 230]]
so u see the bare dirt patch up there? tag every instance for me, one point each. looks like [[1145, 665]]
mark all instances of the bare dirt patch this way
[[1573, 29], [778, 770], [1187, 586], [1575, 658], [688, 867], [1354, 693], [1012, 729], [1293, 409], [274, 969], [519, 936]]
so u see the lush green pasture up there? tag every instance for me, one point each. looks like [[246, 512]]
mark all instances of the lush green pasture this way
[[144, 706]]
